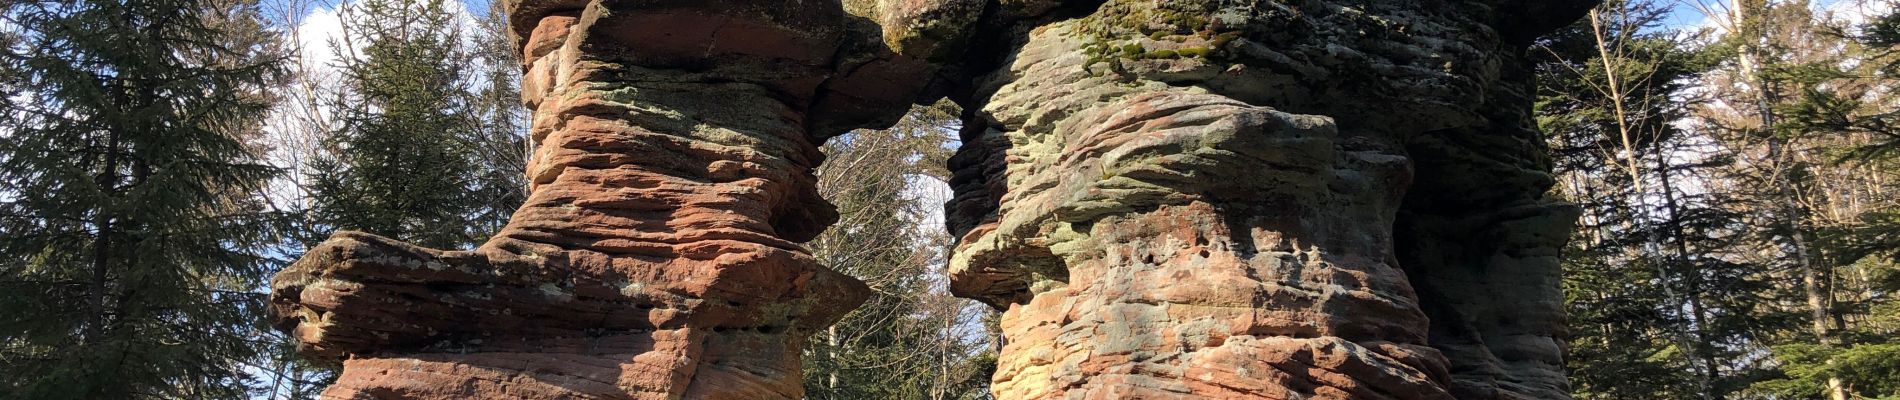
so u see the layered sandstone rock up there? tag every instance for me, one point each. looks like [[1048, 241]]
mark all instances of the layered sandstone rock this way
[[1285, 200], [1315, 199], [657, 256]]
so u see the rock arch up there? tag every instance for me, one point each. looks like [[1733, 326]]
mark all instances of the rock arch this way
[[1337, 199]]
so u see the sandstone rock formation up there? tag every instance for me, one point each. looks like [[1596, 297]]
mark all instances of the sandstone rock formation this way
[[657, 256], [1292, 199], [1287, 200]]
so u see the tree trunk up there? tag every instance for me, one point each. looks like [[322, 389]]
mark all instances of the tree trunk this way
[[1698, 314], [107, 179], [1794, 214]]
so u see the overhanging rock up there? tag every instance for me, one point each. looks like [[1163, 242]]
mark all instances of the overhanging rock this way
[[1170, 199]]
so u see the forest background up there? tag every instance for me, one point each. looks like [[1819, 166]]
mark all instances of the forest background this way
[[1738, 164]]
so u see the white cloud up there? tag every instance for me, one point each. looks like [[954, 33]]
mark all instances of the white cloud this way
[[1857, 11], [320, 34], [316, 36]]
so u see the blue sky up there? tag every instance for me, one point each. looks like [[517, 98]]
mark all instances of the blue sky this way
[[1683, 13]]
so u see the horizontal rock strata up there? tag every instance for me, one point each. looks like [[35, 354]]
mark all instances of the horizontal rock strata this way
[[657, 256], [1204, 199], [1184, 199]]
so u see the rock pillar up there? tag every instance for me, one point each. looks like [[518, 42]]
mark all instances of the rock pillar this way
[[1182, 199], [657, 256], [1203, 199]]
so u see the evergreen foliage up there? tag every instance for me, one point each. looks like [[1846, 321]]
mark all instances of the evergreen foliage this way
[[911, 339], [405, 159], [1740, 236], [129, 226], [1644, 293], [1737, 239], [500, 144]]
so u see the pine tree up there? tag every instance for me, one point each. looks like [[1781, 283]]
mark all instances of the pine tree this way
[[1653, 313], [475, 120], [128, 220], [1798, 108], [911, 339], [500, 144], [401, 163]]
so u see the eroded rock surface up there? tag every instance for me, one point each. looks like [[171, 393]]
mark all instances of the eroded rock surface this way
[[1192, 199], [1198, 199], [657, 256]]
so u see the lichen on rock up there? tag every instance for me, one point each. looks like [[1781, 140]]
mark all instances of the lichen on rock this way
[[1152, 186], [1317, 199]]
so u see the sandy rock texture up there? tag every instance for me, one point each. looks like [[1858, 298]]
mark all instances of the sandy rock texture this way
[[1262, 199], [1184, 199], [658, 254]]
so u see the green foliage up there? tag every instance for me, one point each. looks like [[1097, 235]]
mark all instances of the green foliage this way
[[1871, 369], [910, 340], [1881, 36], [1879, 45], [1737, 240], [1655, 311], [129, 234], [499, 143], [1876, 239], [419, 148], [1619, 350], [1828, 120]]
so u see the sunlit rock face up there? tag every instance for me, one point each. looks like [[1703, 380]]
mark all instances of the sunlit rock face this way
[[1169, 199], [658, 254], [1287, 200]]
